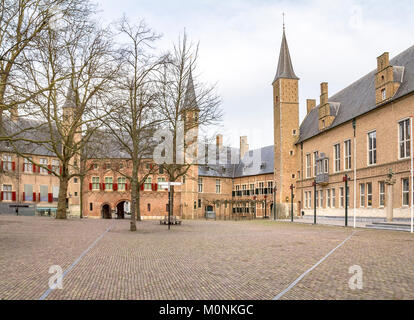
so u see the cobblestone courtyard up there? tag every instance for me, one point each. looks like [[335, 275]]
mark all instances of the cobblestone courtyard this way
[[200, 260]]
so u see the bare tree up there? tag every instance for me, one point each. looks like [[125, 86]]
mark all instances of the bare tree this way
[[76, 63], [22, 22], [185, 106], [134, 118]]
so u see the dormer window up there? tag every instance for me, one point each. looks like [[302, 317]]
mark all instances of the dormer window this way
[[384, 94]]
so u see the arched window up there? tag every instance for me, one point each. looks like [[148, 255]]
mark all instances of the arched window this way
[[149, 207]]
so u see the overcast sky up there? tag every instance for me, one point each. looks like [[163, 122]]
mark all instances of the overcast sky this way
[[332, 41]]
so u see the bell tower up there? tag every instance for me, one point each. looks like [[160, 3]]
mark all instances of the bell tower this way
[[286, 128]]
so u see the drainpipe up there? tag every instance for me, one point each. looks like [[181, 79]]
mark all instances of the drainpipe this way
[[412, 178]]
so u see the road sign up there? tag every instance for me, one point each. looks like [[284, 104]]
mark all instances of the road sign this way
[[167, 185]]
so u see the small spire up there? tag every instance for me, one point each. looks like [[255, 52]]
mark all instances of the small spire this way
[[70, 98], [285, 66], [190, 101], [283, 21]]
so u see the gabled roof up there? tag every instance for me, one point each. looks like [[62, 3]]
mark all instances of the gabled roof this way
[[285, 66], [359, 98]]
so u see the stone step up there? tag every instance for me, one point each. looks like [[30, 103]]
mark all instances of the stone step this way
[[392, 224], [385, 227]]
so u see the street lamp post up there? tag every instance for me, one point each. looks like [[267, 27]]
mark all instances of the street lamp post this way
[[314, 201], [291, 197], [346, 179]]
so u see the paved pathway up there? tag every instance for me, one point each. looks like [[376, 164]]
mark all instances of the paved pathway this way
[[200, 260]]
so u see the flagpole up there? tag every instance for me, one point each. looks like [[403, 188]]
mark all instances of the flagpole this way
[[412, 177]]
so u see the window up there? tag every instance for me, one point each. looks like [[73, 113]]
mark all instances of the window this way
[[261, 187], [252, 189], [348, 194], [121, 184], [321, 198], [55, 193], [369, 195], [199, 203], [161, 171], [337, 156], [306, 200], [383, 94], [95, 183], [362, 195], [317, 199], [91, 206], [333, 198], [148, 184], [149, 207], [7, 192], [372, 148], [28, 192], [44, 194], [55, 166], [308, 166], [342, 197], [328, 198], [326, 166], [405, 192], [75, 180], [43, 166], [348, 155], [270, 187], [195, 205], [200, 185], [28, 166], [218, 186], [315, 163], [310, 199], [109, 183], [405, 139], [382, 194], [7, 162]]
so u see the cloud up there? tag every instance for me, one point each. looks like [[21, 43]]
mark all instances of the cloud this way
[[334, 41]]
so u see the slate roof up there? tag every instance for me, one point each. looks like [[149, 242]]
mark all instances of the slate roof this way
[[255, 162], [359, 98], [285, 66]]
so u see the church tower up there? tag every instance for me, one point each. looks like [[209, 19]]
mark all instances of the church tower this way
[[190, 116], [286, 129]]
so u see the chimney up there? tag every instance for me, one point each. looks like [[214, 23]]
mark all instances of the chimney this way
[[383, 61], [324, 93], [14, 114], [244, 147], [310, 104], [219, 141]]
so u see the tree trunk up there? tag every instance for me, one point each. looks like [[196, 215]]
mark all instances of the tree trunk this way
[[134, 188], [63, 190]]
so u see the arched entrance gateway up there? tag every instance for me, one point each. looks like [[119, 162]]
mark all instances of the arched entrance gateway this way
[[106, 212], [122, 209]]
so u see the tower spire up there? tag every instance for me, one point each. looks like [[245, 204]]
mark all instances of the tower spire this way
[[285, 66], [190, 101]]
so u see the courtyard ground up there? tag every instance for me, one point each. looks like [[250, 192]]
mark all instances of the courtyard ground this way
[[255, 260]]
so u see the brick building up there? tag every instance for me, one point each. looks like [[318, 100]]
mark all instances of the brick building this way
[[365, 128]]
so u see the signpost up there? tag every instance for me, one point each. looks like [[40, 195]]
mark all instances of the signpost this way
[[168, 185]]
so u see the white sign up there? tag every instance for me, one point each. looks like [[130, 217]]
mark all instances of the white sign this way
[[167, 185]]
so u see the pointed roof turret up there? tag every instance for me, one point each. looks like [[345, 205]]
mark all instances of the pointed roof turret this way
[[70, 98], [190, 101], [285, 67]]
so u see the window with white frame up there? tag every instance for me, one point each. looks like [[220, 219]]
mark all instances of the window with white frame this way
[[7, 162], [55, 193], [348, 155], [261, 187], [122, 183], [333, 198], [28, 165], [43, 165], [310, 200], [369, 195], [218, 186], [405, 192], [326, 166], [382, 194], [372, 148], [405, 139], [306, 200], [317, 199], [55, 166], [315, 163], [342, 197], [321, 198], [28, 192], [44, 193], [362, 195], [308, 166], [7, 192], [109, 183], [337, 152], [200, 185], [328, 198], [383, 94], [148, 184], [95, 183]]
